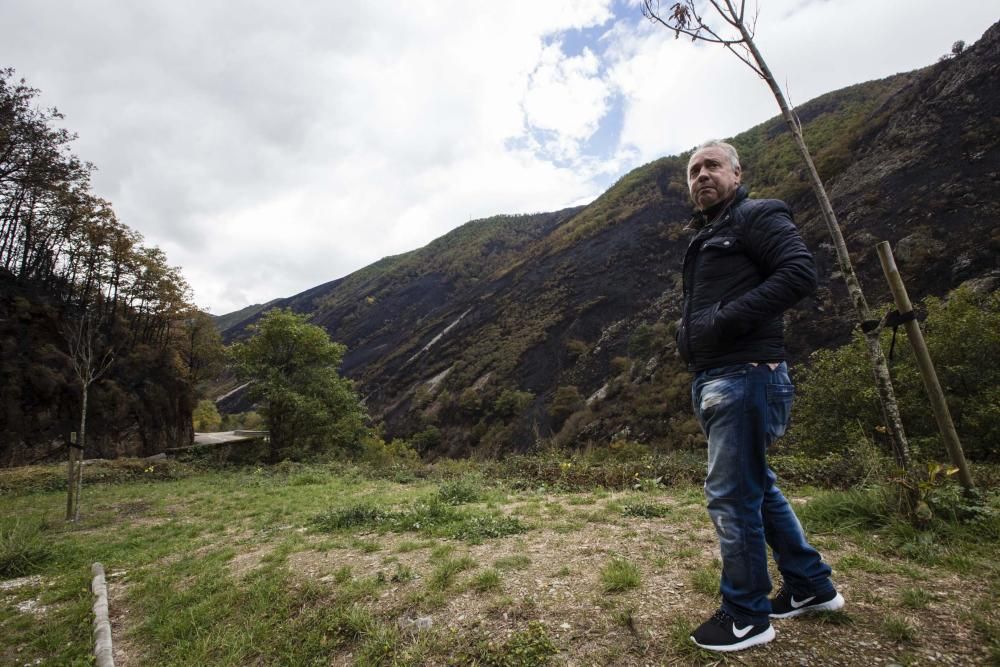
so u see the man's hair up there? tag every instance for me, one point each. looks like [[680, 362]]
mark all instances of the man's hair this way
[[734, 157]]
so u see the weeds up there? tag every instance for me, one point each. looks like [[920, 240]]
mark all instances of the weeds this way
[[461, 491], [646, 510], [528, 648]]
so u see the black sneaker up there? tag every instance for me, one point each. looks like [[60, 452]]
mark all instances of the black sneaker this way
[[723, 633], [787, 604]]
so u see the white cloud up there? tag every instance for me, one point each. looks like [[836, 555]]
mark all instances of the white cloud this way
[[679, 93], [272, 147], [567, 97]]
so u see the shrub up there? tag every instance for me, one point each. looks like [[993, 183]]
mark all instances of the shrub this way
[[837, 395], [206, 417], [460, 491]]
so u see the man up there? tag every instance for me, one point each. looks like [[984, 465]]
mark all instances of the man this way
[[744, 267]]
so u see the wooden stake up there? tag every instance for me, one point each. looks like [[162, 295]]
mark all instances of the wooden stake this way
[[926, 366]]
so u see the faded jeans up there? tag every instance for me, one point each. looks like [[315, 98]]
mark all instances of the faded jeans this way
[[742, 409]]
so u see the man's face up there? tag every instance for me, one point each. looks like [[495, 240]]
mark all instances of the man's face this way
[[711, 177]]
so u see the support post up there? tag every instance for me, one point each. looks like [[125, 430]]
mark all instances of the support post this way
[[927, 373]]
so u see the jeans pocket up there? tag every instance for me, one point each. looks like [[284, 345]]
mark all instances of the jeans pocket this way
[[779, 408]]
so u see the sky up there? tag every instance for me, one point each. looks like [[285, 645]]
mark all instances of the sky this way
[[269, 147]]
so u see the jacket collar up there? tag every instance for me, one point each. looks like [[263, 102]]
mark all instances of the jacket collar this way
[[701, 219]]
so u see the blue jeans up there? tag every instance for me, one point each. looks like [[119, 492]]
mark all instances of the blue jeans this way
[[742, 410]]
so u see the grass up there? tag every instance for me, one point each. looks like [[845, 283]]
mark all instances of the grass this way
[[486, 581], [915, 598], [898, 629], [310, 566], [705, 580], [646, 510], [515, 562], [445, 573], [431, 517], [620, 575], [23, 549]]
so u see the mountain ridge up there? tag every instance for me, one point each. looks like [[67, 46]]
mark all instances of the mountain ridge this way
[[581, 300]]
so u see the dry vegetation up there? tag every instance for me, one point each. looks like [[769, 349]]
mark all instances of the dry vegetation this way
[[323, 565]]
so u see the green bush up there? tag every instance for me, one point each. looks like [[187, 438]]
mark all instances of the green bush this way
[[206, 417], [461, 491], [837, 396]]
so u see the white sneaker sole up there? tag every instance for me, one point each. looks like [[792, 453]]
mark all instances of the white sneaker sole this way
[[832, 604], [762, 638]]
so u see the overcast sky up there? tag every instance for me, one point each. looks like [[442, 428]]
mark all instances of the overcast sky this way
[[268, 147]]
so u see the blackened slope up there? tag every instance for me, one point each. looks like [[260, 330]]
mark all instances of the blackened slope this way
[[911, 158]]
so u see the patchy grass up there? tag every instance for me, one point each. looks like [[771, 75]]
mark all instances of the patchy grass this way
[[433, 517], [898, 629], [620, 575], [23, 550], [302, 565], [915, 598], [486, 581], [446, 571], [646, 510], [514, 562], [705, 579]]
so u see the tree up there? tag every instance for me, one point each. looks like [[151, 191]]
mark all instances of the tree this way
[[206, 417], [203, 349], [90, 362], [292, 366], [736, 33]]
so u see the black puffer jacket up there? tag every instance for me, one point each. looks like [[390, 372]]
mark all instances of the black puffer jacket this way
[[740, 274]]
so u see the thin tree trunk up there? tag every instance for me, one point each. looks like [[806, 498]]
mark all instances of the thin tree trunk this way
[[81, 443], [890, 407], [71, 482]]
